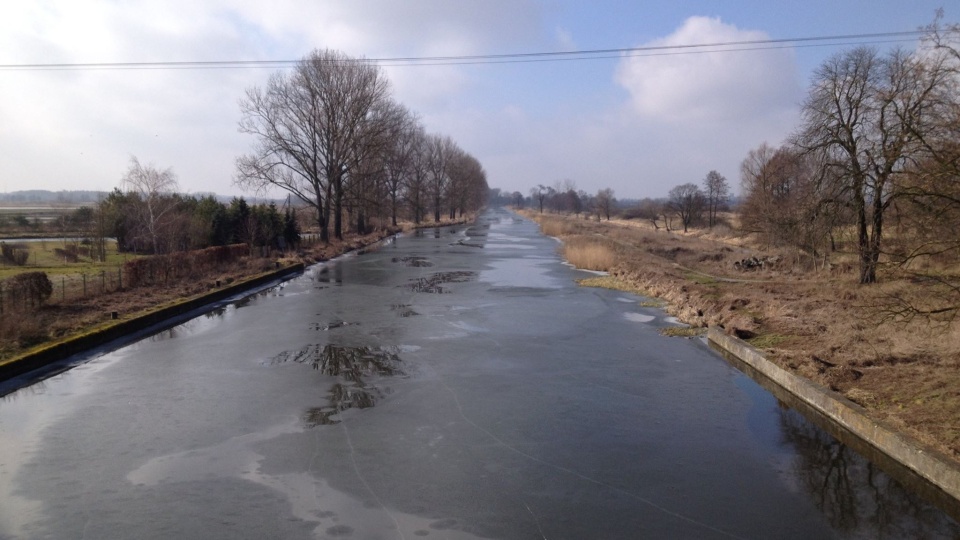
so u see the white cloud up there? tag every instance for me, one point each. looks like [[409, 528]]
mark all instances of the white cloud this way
[[639, 126], [686, 84], [77, 129]]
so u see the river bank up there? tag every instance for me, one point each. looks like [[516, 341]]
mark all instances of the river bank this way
[[55, 324], [819, 324]]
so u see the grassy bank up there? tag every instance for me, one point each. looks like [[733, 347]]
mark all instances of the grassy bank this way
[[818, 323]]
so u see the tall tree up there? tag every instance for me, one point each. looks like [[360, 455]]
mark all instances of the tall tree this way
[[540, 193], [154, 188], [716, 190], [787, 201], [311, 127], [399, 160], [440, 151], [687, 202], [468, 183], [868, 114], [416, 187], [605, 202]]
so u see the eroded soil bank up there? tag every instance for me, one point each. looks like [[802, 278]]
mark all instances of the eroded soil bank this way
[[817, 323]]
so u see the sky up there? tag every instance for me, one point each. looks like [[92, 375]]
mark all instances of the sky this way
[[637, 124]]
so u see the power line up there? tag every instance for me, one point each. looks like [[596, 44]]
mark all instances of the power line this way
[[550, 56]]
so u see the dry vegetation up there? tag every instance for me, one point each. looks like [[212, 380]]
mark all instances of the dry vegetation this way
[[589, 253], [819, 323]]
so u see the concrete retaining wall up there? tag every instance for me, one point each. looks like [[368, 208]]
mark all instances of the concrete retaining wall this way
[[59, 350], [922, 460]]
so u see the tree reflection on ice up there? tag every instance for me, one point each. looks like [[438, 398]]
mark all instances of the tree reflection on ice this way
[[342, 397], [852, 492], [433, 283], [354, 367]]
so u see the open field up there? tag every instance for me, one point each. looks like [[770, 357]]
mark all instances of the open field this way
[[817, 322], [59, 257]]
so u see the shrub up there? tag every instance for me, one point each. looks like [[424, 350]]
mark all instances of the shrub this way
[[14, 254], [29, 287], [181, 264]]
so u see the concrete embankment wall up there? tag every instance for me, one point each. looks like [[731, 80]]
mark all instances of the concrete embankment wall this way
[[914, 456], [59, 350]]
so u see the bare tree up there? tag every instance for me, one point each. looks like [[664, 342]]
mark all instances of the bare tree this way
[[788, 201], [540, 193], [399, 162], [154, 188], [416, 187], [440, 150], [310, 127], [468, 183], [868, 113], [605, 202], [650, 210], [716, 190], [687, 202]]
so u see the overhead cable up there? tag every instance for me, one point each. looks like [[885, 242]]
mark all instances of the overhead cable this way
[[523, 57]]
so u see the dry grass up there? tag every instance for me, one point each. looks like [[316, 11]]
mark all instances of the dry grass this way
[[682, 331], [588, 253], [555, 226], [615, 283], [815, 321]]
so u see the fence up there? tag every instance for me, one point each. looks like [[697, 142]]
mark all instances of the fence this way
[[66, 289]]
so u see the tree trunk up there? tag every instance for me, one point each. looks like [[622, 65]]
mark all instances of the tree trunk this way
[[338, 216], [325, 217]]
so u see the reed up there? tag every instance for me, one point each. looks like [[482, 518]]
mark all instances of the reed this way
[[551, 226], [589, 254]]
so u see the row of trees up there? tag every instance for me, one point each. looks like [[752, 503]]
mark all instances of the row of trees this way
[[876, 154], [566, 198], [330, 134], [688, 204]]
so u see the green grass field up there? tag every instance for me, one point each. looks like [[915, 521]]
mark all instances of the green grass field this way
[[44, 258]]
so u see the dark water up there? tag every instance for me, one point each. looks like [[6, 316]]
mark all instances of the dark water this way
[[451, 384]]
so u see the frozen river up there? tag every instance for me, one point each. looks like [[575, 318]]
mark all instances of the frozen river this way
[[451, 384]]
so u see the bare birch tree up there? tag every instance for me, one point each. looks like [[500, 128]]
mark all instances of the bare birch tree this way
[[155, 189]]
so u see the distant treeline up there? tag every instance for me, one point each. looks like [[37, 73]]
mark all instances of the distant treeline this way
[[90, 197], [52, 197]]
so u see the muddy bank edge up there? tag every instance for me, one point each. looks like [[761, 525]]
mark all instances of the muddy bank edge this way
[[61, 349]]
